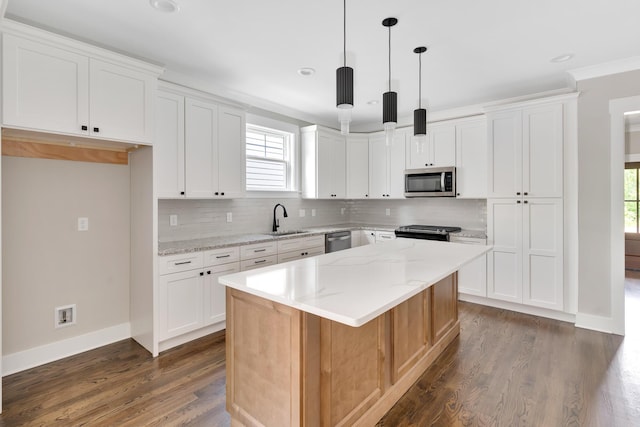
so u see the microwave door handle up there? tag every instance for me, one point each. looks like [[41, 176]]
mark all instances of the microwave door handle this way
[[442, 181]]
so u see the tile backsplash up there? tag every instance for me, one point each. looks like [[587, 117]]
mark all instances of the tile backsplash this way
[[207, 218]]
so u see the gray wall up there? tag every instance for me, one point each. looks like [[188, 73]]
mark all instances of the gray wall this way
[[48, 263], [594, 182]]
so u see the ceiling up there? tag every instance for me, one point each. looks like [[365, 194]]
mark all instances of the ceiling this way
[[250, 50]]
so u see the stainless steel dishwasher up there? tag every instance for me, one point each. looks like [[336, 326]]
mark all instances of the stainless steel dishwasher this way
[[337, 241]]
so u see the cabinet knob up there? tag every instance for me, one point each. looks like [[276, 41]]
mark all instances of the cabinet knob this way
[[457, 194], [209, 272], [526, 201], [518, 201], [526, 194], [518, 193], [216, 193], [202, 273], [96, 130], [84, 127], [366, 195], [182, 193], [222, 194]]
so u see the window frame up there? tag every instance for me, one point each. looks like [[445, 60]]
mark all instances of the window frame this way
[[633, 166], [291, 149]]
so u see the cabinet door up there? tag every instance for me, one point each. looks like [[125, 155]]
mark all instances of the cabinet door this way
[[378, 165], [471, 160], [368, 237], [201, 148], [396, 166], [442, 145], [121, 103], [472, 278], [231, 153], [357, 168], [418, 151], [542, 151], [331, 166], [504, 265], [168, 145], [44, 88], [504, 137], [180, 301], [214, 292], [542, 254]]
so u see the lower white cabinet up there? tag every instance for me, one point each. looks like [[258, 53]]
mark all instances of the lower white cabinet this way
[[472, 278], [190, 299], [293, 249], [382, 236], [301, 253], [525, 265]]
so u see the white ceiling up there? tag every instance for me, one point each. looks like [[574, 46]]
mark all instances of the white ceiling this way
[[250, 50]]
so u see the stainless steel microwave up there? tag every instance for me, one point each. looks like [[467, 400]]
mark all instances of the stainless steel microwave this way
[[432, 182]]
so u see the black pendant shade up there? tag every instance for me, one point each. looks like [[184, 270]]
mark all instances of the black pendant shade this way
[[420, 115], [344, 87]]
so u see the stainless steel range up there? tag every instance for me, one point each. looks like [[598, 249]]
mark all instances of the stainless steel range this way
[[426, 232]]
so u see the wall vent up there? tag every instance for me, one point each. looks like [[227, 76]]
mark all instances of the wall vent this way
[[65, 316]]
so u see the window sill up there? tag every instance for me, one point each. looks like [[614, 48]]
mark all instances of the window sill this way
[[272, 194]]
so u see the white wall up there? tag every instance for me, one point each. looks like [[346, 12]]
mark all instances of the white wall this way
[[48, 263], [632, 143]]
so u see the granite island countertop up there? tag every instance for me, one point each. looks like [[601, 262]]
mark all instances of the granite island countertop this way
[[332, 285]]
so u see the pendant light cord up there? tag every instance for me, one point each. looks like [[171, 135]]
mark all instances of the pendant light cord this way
[[389, 59], [420, 81]]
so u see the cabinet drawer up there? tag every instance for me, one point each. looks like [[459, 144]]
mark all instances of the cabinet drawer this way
[[250, 264], [382, 236], [258, 250], [301, 253], [221, 256], [301, 243], [468, 240], [181, 262]]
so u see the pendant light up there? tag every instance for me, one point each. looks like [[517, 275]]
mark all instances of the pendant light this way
[[389, 99], [420, 115], [344, 84]]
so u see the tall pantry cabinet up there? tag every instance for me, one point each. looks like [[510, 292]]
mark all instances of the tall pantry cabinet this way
[[525, 221]]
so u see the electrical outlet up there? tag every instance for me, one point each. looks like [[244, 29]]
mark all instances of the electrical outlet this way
[[173, 220], [388, 211], [65, 316], [313, 212], [83, 224], [229, 216], [302, 213]]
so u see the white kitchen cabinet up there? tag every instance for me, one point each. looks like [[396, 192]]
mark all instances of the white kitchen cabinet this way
[[299, 254], [258, 255], [357, 167], [323, 163], [300, 243], [471, 159], [525, 265], [383, 236], [214, 293], [262, 261], [386, 166], [525, 148], [368, 237], [200, 148], [57, 86], [472, 278], [437, 150]]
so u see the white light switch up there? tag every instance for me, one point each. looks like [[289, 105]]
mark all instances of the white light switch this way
[[388, 211], [83, 224], [302, 213], [173, 220], [229, 216]]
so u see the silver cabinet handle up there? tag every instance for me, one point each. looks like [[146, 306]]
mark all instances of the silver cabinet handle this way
[[442, 182]]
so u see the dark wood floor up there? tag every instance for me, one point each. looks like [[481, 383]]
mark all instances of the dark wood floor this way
[[505, 369]]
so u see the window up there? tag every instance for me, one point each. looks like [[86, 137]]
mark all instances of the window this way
[[631, 200], [270, 154]]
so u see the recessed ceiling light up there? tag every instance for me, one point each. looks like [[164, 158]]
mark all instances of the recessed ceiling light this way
[[373, 102], [562, 58], [168, 6], [306, 71]]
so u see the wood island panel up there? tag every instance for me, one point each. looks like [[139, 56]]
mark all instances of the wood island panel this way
[[290, 368]]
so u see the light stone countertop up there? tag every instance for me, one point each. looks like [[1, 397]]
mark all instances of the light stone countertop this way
[[356, 285], [217, 242]]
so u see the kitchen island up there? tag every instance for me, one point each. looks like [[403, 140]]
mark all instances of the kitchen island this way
[[338, 338]]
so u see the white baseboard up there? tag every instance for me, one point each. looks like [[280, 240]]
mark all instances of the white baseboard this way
[[190, 336], [520, 308], [595, 323], [22, 360]]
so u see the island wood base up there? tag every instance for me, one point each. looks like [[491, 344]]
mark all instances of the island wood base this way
[[286, 367]]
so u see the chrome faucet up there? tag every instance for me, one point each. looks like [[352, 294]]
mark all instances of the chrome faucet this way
[[276, 223]]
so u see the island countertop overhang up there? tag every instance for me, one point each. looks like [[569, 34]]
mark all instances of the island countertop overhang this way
[[357, 285]]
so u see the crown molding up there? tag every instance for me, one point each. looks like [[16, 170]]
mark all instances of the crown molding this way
[[606, 69]]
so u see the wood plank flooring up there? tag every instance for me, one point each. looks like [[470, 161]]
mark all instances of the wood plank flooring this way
[[506, 369]]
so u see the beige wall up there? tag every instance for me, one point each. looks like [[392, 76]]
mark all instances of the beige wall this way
[[632, 143], [48, 263], [594, 294]]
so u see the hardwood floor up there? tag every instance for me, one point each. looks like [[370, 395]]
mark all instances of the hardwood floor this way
[[506, 369]]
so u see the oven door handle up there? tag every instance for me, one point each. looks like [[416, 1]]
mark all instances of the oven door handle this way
[[442, 182]]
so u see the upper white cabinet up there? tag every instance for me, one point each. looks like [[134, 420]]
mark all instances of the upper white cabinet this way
[[357, 167], [438, 150], [525, 148], [386, 166], [57, 85], [471, 159], [199, 149], [323, 163]]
